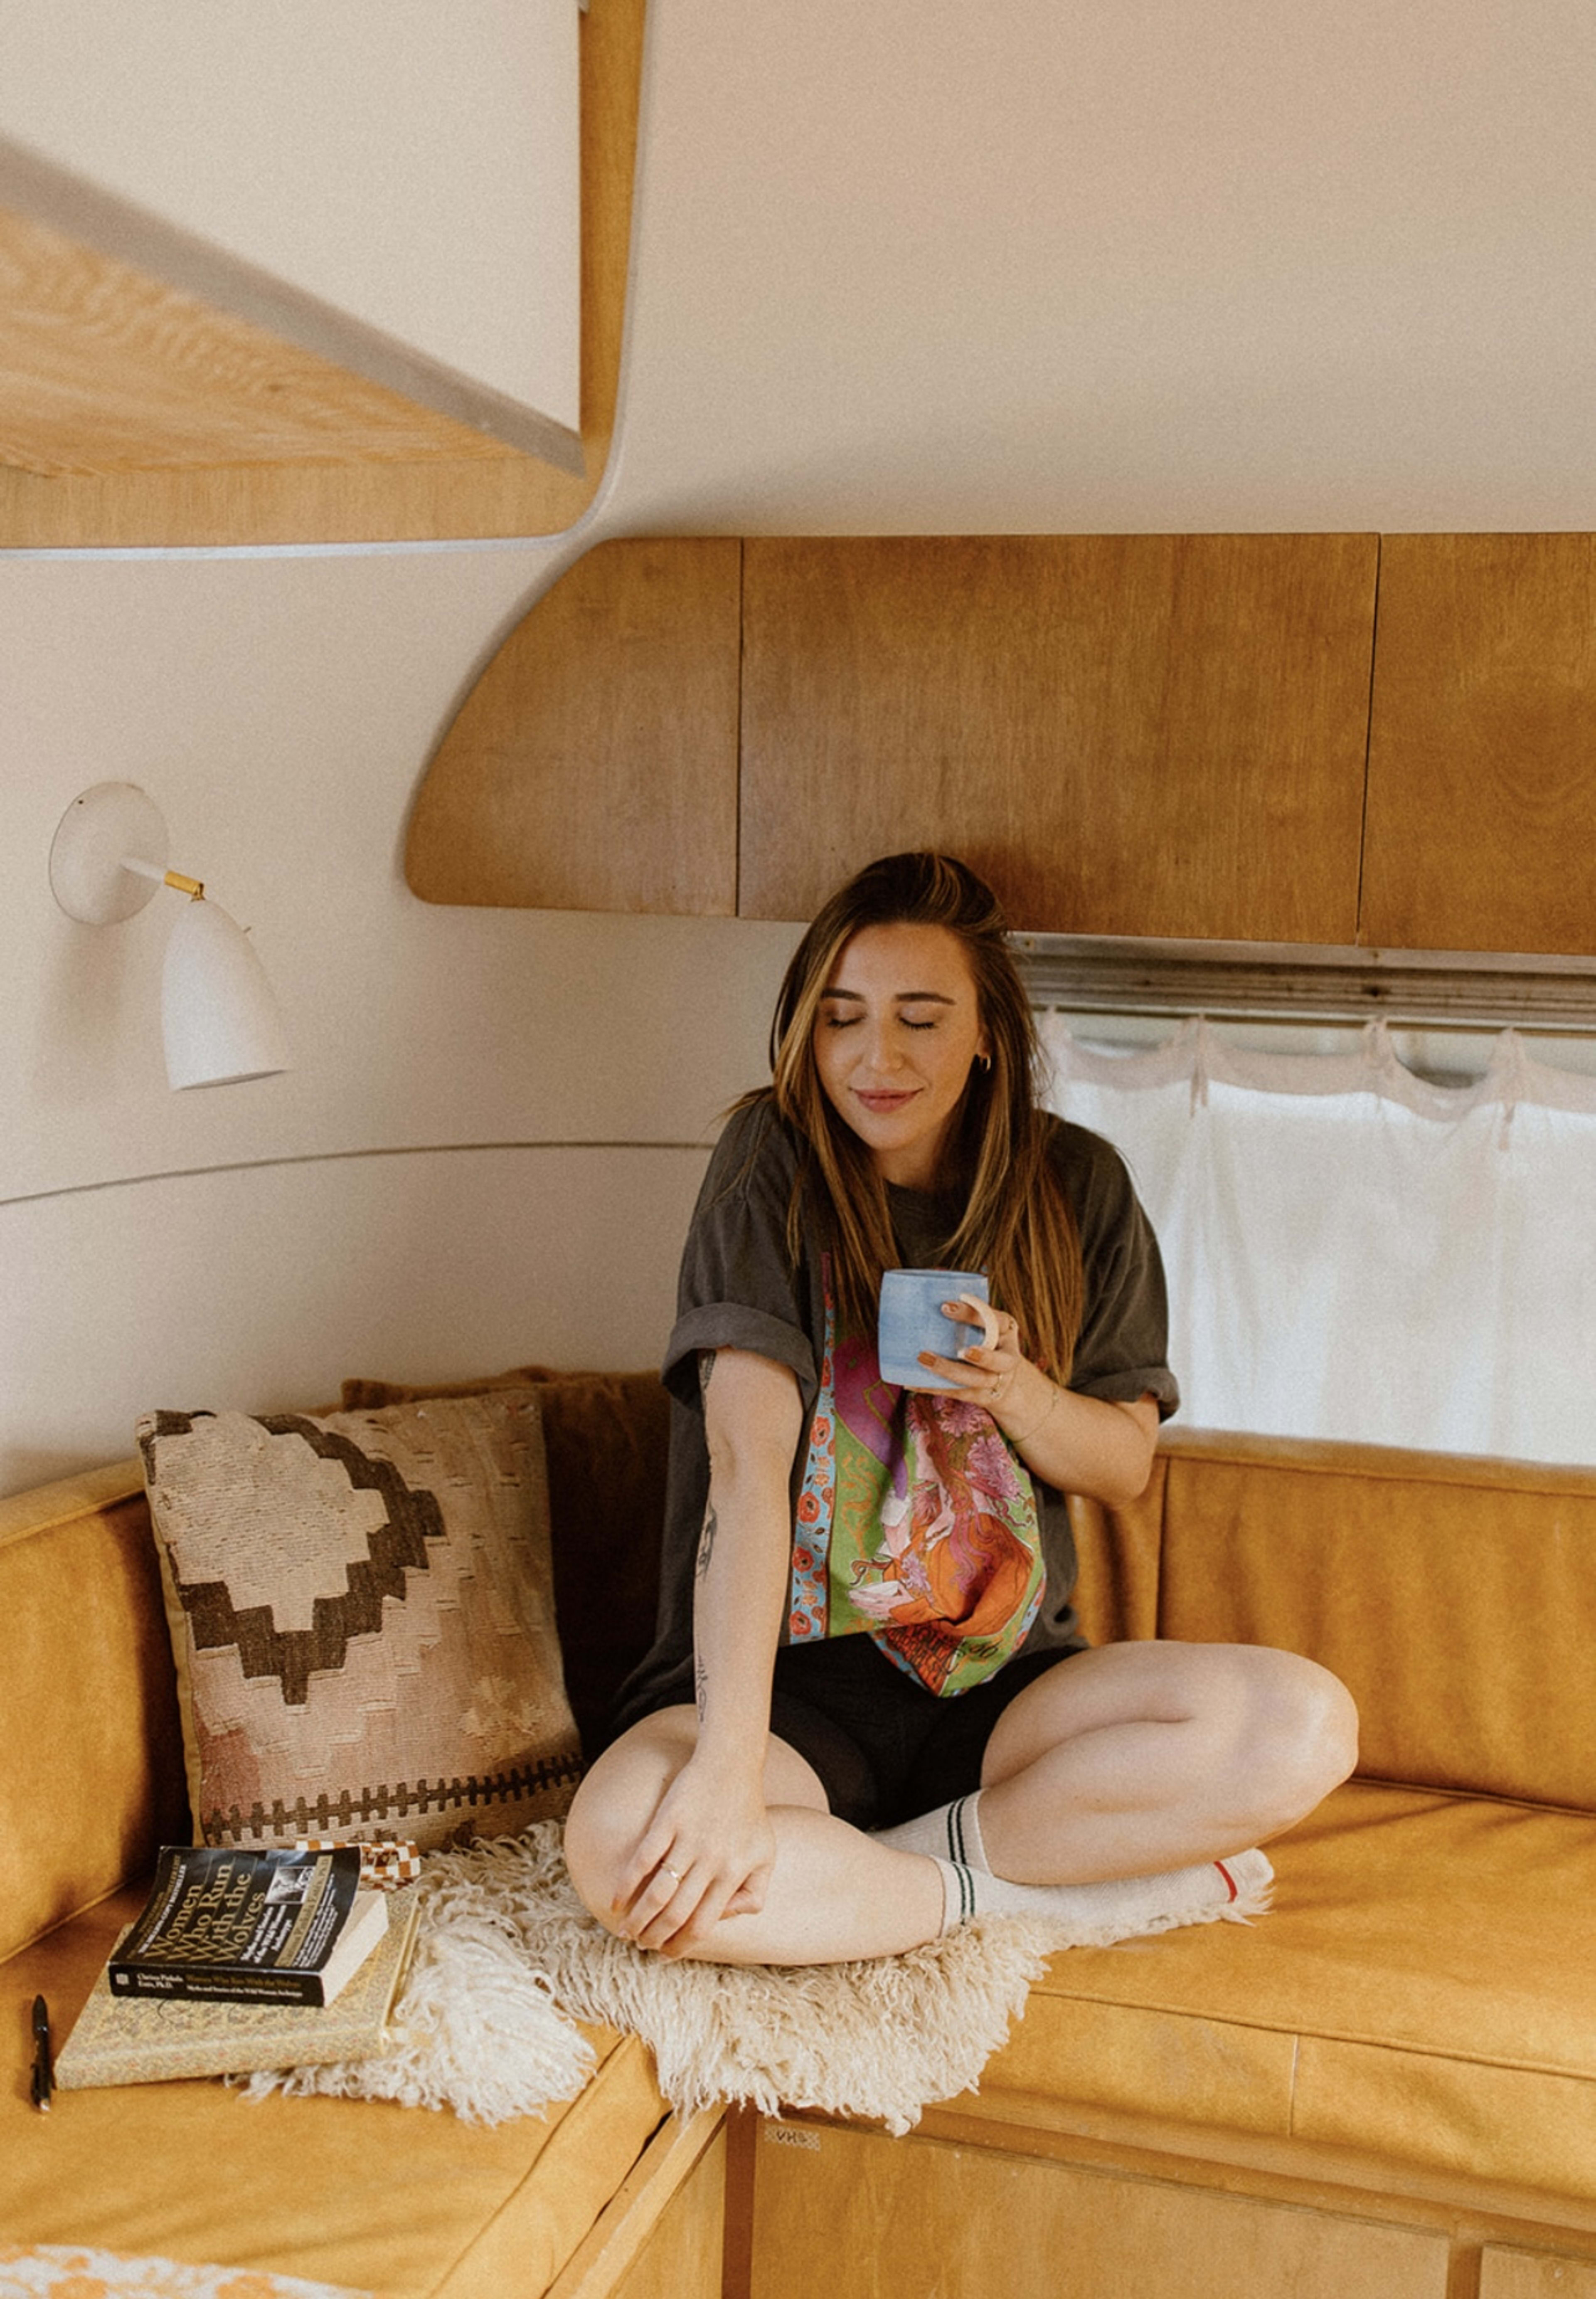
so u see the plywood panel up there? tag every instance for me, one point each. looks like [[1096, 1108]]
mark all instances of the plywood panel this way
[[1481, 782], [136, 415], [662, 2235], [106, 370], [334, 501], [682, 2258], [1130, 735], [864, 2216], [594, 765], [1508, 2274]]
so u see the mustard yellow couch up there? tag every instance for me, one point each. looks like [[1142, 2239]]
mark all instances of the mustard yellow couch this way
[[1388, 2085]]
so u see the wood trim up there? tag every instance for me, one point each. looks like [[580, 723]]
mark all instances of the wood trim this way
[[1314, 2174], [206, 455], [91, 1492], [612, 66], [615, 2242]]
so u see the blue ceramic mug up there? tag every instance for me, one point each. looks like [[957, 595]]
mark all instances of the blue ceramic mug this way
[[911, 1320]]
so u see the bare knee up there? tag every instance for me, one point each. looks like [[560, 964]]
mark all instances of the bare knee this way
[[614, 1805], [594, 1845], [1301, 1733]]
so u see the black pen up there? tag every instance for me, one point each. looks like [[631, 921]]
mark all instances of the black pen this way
[[44, 2073]]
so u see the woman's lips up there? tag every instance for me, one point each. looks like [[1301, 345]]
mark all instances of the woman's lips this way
[[882, 1104]]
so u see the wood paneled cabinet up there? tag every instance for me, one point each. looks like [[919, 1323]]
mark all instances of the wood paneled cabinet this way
[[1481, 770], [864, 2217], [1319, 739]]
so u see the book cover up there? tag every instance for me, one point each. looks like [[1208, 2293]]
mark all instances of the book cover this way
[[119, 2040], [284, 1927]]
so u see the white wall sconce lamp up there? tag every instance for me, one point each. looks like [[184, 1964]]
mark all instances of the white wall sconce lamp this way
[[218, 1017]]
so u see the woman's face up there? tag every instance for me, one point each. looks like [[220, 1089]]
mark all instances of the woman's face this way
[[898, 1029]]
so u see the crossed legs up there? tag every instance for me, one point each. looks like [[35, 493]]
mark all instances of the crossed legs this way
[[1124, 1761]]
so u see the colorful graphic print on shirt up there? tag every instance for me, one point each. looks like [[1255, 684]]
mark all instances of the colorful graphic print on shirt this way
[[916, 1523]]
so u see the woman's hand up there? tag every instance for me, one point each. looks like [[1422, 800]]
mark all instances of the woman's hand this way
[[989, 1370], [707, 1853], [1093, 1446]]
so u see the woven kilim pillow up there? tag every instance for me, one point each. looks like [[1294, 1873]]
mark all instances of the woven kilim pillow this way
[[362, 1619]]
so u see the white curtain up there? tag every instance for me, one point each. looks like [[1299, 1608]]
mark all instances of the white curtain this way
[[1353, 1252]]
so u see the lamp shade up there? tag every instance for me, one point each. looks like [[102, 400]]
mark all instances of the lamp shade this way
[[218, 1015]]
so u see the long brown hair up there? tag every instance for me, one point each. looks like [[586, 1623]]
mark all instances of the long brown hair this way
[[1017, 1223]]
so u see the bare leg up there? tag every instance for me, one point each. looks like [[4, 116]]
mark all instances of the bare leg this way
[[1135, 1758], [834, 1893]]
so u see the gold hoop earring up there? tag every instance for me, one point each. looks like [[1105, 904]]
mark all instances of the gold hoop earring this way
[[986, 1062]]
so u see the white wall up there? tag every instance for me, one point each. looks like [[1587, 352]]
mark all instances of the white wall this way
[[1128, 266], [250, 1245]]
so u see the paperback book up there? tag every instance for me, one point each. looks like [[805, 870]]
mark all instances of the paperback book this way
[[278, 1926], [122, 2039]]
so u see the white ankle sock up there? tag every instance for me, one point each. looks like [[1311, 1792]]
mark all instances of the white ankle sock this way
[[1236, 1888], [951, 1832]]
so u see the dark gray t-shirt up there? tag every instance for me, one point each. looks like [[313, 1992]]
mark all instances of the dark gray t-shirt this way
[[738, 1289]]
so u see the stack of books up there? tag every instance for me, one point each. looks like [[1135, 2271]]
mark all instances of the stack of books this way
[[245, 1960]]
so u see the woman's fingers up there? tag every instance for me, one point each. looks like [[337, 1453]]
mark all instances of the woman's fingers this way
[[669, 1908], [998, 1328], [642, 1870], [688, 1911], [977, 1312]]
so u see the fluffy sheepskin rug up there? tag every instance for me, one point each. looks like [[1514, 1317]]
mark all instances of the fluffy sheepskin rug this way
[[507, 1958]]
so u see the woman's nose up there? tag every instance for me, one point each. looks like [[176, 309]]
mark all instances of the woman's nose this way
[[882, 1052]]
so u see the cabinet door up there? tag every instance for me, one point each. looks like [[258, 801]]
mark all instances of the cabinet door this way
[[858, 2216], [1129, 734], [593, 765], [1482, 772], [1506, 2273]]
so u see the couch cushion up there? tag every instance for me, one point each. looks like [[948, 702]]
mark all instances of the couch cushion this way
[[363, 1617], [1455, 1597], [1425, 1988], [392, 2199], [88, 1714]]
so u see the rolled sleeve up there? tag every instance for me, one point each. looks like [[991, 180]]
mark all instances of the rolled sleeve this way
[[732, 1325], [739, 1289]]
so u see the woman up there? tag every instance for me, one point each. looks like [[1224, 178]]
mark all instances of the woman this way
[[864, 1618]]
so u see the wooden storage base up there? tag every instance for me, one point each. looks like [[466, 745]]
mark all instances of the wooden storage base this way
[[968, 2205], [662, 2235]]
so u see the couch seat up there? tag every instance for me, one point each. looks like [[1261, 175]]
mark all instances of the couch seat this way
[[1384, 2005], [351, 2191]]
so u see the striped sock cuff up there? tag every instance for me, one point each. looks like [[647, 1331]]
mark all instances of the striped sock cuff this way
[[958, 1892], [963, 1831]]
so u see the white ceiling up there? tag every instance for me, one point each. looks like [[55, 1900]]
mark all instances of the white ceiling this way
[[1132, 264]]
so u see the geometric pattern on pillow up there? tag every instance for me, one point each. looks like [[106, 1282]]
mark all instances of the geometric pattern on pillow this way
[[606, 1439], [411, 1519], [363, 1620]]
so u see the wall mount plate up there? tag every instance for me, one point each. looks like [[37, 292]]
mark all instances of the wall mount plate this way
[[101, 826]]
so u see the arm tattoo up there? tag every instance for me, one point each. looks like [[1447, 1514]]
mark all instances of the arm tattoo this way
[[706, 1368], [700, 1675], [706, 1542]]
